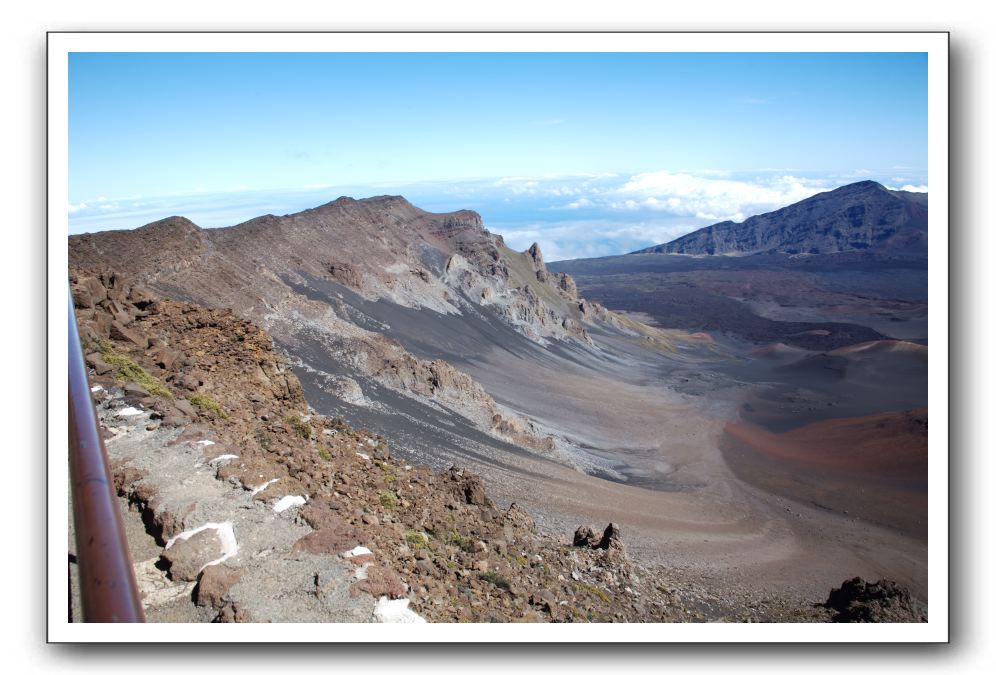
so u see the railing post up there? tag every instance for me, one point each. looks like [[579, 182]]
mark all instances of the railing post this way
[[107, 579]]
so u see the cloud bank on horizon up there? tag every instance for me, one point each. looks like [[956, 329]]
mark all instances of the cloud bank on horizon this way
[[576, 216]]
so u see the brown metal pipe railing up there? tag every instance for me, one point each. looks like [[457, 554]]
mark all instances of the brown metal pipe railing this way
[[107, 579]]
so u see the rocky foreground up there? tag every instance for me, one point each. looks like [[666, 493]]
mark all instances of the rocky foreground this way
[[259, 509]]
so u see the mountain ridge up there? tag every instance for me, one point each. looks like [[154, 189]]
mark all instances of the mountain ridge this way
[[862, 216]]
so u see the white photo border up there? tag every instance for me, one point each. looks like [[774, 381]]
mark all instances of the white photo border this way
[[934, 44]]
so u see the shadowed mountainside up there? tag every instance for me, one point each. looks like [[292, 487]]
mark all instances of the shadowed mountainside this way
[[857, 217]]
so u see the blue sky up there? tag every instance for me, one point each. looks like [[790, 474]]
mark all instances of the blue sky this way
[[590, 154]]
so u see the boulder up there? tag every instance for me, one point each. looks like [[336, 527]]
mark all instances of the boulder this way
[[585, 537], [186, 408], [518, 517], [380, 581], [165, 358], [96, 361], [468, 486], [186, 557], [81, 297], [135, 390], [214, 584], [119, 332]]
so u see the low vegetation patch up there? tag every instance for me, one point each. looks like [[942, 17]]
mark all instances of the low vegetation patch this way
[[497, 580], [465, 544], [324, 453], [596, 591], [389, 475], [130, 371], [208, 405], [417, 540], [299, 426], [388, 499]]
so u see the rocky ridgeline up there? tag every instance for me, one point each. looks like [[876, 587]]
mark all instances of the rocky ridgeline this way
[[261, 510]]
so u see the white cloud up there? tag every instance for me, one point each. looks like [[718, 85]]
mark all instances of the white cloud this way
[[582, 203], [73, 208], [687, 194], [912, 188]]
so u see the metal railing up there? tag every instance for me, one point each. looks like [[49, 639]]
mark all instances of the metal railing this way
[[108, 589]]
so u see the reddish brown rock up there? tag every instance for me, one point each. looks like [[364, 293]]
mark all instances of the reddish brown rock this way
[[214, 584], [233, 613], [330, 541], [321, 515], [250, 472], [120, 333], [125, 477], [185, 558], [380, 581]]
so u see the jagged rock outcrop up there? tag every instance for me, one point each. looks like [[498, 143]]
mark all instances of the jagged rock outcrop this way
[[862, 216]]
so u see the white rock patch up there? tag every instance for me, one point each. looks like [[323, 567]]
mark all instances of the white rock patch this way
[[204, 443], [363, 455], [395, 611], [289, 501], [129, 412], [95, 389], [359, 550]]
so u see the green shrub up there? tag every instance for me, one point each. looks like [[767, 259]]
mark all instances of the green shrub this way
[[417, 540], [596, 591], [130, 371], [465, 544], [299, 426], [388, 499], [208, 405], [389, 475], [325, 454]]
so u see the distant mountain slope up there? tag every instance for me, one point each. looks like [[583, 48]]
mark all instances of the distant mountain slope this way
[[862, 216]]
